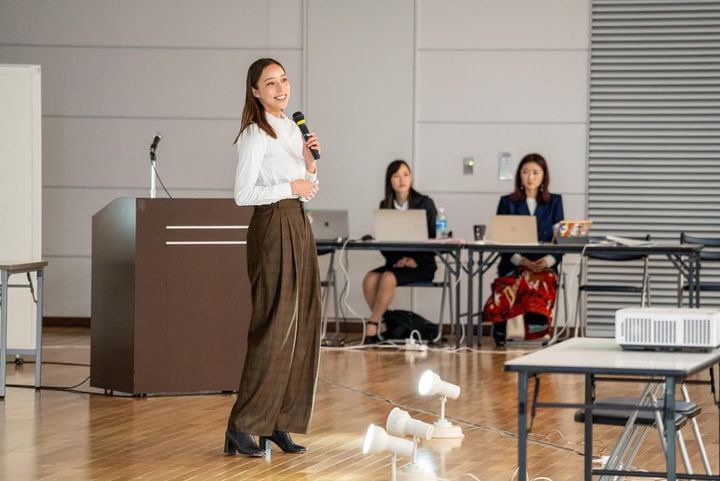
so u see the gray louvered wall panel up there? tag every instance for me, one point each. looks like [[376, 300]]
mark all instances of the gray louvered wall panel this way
[[654, 137]]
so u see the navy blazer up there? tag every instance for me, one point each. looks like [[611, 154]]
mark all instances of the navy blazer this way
[[546, 215]]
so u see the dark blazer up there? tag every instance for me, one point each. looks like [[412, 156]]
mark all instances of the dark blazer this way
[[425, 260], [546, 216]]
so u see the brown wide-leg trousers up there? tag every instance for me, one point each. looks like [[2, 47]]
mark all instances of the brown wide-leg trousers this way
[[277, 388]]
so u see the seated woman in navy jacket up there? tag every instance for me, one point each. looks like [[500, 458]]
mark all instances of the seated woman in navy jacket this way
[[401, 268], [526, 283]]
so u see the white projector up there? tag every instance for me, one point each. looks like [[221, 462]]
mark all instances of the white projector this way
[[667, 328]]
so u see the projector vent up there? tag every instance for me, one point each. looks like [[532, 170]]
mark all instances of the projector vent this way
[[664, 332], [697, 331], [637, 329]]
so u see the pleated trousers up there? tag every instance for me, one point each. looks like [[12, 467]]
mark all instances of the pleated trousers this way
[[277, 387]]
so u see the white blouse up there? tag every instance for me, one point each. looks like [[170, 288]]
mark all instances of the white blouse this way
[[266, 166]]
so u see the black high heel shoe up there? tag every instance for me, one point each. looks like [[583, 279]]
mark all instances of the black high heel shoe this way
[[377, 337], [242, 443], [283, 441]]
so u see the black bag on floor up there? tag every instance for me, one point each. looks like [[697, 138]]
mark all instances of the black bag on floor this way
[[401, 323]]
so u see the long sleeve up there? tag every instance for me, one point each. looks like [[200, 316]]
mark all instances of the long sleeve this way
[[251, 148]]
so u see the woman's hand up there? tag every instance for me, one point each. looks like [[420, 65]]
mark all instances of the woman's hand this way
[[406, 262], [311, 142], [534, 266], [304, 188]]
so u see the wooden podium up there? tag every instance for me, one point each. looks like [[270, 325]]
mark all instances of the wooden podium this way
[[170, 295]]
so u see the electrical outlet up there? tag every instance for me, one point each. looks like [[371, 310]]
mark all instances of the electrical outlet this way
[[506, 167], [468, 166]]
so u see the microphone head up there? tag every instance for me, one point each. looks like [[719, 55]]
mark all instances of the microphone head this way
[[298, 117], [157, 135]]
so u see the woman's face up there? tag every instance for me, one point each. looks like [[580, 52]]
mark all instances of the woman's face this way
[[401, 180], [273, 89], [531, 176]]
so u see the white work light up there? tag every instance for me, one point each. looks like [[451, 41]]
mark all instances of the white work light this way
[[430, 384], [378, 441], [399, 423]]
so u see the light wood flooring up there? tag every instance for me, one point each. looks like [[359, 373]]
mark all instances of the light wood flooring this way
[[54, 435]]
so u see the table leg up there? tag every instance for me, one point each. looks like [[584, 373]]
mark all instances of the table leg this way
[[588, 427], [470, 279], [691, 279], [522, 425], [3, 328], [457, 277], [669, 418], [480, 263], [697, 279], [38, 328]]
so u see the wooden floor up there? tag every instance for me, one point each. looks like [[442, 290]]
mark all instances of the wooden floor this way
[[52, 435]]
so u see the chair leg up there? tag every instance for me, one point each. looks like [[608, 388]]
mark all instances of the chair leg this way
[[336, 304], [696, 433]]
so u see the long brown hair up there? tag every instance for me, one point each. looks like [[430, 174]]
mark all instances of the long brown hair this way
[[544, 193], [253, 111], [389, 191]]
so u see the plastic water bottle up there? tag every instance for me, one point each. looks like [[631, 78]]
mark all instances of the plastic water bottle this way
[[441, 225]]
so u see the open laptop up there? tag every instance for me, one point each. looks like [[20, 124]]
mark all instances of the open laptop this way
[[329, 224], [572, 232], [401, 225], [513, 229]]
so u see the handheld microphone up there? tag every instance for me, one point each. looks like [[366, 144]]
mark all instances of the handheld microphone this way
[[299, 119], [156, 140]]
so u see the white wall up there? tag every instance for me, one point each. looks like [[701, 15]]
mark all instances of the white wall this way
[[20, 194], [492, 76], [430, 81], [114, 73]]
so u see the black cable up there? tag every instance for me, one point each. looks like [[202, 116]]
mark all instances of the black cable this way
[[51, 388], [55, 363], [160, 180]]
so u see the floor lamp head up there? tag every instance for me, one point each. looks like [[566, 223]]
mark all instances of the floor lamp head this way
[[399, 423], [432, 385], [379, 441]]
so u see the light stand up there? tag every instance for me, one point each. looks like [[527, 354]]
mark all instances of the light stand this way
[[431, 384]]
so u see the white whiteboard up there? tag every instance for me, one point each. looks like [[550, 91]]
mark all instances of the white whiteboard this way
[[20, 191]]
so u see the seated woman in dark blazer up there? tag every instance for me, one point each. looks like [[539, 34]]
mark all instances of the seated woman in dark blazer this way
[[401, 268], [527, 283]]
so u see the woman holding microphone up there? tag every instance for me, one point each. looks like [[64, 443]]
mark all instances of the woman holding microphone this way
[[275, 173]]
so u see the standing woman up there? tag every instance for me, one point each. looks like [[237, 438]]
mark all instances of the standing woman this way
[[401, 268], [526, 284], [275, 171]]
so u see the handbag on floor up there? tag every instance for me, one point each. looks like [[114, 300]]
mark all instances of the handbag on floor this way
[[401, 323]]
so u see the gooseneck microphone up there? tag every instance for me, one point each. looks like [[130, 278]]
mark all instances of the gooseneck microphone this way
[[156, 140], [299, 119]]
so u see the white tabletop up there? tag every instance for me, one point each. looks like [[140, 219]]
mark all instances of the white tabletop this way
[[604, 356]]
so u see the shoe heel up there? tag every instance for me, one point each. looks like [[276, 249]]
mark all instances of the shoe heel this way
[[229, 448], [264, 444]]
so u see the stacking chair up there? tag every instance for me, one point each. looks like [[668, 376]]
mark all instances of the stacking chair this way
[[637, 422], [643, 288], [710, 253]]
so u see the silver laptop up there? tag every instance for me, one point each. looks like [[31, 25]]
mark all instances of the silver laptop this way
[[513, 229], [329, 224], [401, 225]]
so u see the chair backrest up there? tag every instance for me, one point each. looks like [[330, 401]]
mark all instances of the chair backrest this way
[[611, 256], [713, 243]]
